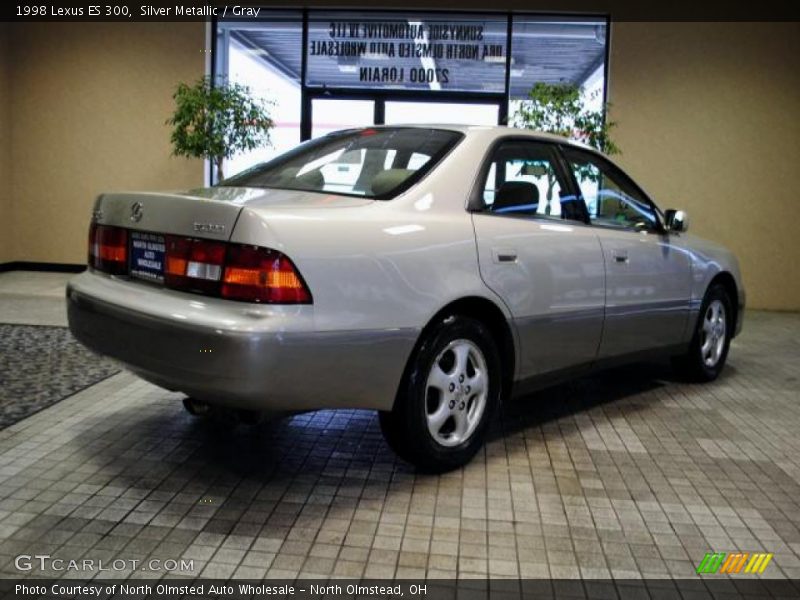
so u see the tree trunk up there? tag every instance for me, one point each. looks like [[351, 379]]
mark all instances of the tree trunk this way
[[220, 175]]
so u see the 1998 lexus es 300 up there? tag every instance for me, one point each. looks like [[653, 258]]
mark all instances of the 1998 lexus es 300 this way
[[423, 271]]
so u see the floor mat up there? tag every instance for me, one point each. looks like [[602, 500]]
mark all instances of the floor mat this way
[[40, 366]]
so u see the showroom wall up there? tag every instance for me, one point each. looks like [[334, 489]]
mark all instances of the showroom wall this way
[[708, 122], [88, 105], [6, 240]]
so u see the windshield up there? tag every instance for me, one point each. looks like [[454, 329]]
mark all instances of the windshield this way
[[371, 163]]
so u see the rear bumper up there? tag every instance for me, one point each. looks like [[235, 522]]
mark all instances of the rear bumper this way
[[274, 363]]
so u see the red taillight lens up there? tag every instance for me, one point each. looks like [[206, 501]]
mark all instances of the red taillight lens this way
[[108, 249], [232, 271], [258, 274], [194, 264]]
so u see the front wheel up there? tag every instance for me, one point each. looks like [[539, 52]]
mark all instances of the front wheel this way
[[447, 399], [708, 349]]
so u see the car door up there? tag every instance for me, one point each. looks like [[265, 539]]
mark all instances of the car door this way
[[648, 278], [537, 252]]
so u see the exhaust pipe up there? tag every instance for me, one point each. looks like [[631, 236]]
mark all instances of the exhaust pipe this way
[[229, 416], [195, 407]]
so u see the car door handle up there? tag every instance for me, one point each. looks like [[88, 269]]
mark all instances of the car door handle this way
[[504, 255], [621, 257]]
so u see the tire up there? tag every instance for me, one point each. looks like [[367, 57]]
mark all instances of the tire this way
[[711, 341], [439, 422]]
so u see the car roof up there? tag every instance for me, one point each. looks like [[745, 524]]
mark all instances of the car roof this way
[[493, 131]]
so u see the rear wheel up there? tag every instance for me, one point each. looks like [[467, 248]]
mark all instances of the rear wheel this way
[[447, 399], [708, 349]]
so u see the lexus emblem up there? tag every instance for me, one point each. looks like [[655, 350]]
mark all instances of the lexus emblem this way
[[137, 210]]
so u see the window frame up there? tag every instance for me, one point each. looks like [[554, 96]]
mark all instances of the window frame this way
[[477, 204], [616, 172]]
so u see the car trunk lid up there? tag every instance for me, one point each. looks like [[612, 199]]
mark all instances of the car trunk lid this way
[[169, 213], [184, 240], [207, 212]]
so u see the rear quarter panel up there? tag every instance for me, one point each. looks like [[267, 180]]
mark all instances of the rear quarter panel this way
[[390, 264]]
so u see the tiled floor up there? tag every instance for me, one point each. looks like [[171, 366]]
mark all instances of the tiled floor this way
[[627, 474]]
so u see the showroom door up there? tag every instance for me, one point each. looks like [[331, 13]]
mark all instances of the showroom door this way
[[332, 114], [441, 112]]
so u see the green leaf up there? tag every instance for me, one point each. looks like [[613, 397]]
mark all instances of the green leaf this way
[[216, 122], [558, 108]]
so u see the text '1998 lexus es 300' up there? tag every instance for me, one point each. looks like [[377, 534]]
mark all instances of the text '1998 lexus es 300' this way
[[426, 272]]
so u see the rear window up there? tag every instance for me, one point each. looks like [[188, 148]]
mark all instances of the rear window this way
[[371, 163]]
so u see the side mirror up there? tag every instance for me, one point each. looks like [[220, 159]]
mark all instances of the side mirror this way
[[676, 220]]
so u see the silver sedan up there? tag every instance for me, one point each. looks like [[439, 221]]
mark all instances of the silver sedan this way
[[425, 272]]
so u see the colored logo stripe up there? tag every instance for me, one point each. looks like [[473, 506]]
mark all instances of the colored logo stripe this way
[[734, 562], [711, 562], [721, 562], [758, 563]]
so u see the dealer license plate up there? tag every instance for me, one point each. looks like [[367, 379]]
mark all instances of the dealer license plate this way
[[147, 256]]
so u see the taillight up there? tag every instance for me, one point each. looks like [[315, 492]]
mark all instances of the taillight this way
[[108, 249], [194, 264], [257, 274], [232, 271]]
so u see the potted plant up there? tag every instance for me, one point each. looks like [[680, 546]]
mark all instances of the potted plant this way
[[215, 122]]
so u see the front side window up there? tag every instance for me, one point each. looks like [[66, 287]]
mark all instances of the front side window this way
[[373, 163], [611, 198], [523, 179]]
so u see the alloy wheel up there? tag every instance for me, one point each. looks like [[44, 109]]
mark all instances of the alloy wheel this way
[[713, 333], [456, 391]]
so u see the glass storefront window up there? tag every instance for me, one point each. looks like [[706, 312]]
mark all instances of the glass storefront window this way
[[557, 50], [395, 66], [409, 51], [265, 56]]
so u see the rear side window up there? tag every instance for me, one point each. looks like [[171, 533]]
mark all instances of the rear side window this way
[[372, 163], [524, 180]]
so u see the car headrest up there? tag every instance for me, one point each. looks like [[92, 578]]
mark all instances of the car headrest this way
[[387, 180], [313, 180], [516, 196]]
